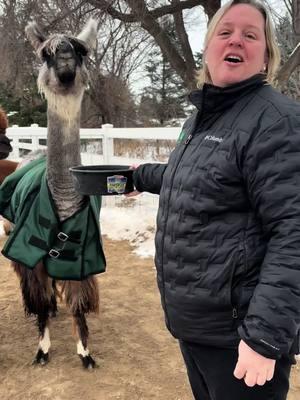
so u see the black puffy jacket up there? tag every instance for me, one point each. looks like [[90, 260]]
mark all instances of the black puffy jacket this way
[[228, 224]]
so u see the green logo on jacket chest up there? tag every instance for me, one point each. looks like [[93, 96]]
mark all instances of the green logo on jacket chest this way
[[181, 136]]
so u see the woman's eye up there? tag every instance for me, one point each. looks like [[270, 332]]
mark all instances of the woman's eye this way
[[224, 33], [251, 36]]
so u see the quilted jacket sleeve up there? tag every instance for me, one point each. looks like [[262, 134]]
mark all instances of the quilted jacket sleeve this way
[[148, 177], [272, 174]]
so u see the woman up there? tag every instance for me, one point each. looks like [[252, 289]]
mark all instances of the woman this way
[[228, 225]]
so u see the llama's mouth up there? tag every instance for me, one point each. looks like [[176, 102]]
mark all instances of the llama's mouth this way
[[67, 78]]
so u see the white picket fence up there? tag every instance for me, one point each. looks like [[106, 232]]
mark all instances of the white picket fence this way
[[29, 138]]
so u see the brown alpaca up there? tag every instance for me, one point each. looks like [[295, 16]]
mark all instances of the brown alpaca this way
[[5, 146], [62, 78], [3, 122], [6, 167]]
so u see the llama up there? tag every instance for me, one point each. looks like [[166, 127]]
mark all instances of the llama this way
[[6, 166], [63, 78], [5, 147]]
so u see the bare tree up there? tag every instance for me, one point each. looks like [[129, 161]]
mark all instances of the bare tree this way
[[148, 14], [293, 58], [289, 77]]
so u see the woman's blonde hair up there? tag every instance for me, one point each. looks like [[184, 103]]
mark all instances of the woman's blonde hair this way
[[273, 51]]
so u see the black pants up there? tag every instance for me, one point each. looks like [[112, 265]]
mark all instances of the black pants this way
[[210, 372]]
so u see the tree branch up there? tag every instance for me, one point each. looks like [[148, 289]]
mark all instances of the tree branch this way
[[210, 7], [162, 39], [289, 66], [183, 65], [183, 38]]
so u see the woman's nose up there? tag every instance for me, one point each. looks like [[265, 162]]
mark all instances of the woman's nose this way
[[236, 40]]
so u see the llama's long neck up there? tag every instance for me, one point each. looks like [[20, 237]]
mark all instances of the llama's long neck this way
[[63, 152]]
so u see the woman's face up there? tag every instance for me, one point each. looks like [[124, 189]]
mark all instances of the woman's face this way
[[237, 49]]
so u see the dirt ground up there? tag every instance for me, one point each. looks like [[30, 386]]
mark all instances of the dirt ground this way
[[137, 358]]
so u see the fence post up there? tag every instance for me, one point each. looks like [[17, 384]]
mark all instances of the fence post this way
[[107, 143], [34, 139], [15, 154]]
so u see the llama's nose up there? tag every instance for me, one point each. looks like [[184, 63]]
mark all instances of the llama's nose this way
[[65, 66], [66, 75]]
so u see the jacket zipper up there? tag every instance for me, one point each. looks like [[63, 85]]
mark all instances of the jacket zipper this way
[[235, 313], [234, 308], [234, 305], [188, 139], [186, 142]]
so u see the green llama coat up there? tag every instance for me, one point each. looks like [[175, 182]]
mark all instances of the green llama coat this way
[[70, 249]]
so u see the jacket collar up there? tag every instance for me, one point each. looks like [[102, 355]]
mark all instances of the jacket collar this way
[[212, 99]]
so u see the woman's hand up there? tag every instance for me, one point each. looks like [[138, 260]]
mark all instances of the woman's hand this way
[[132, 194], [135, 192], [254, 368]]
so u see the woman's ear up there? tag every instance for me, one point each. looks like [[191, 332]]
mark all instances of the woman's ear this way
[[266, 60]]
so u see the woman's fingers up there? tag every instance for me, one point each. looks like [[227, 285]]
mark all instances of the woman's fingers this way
[[239, 371], [254, 368], [261, 379], [132, 194], [251, 378], [270, 374]]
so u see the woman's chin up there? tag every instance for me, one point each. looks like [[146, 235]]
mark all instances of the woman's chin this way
[[230, 79]]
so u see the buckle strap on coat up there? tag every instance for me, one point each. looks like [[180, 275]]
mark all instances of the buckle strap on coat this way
[[54, 253], [73, 236]]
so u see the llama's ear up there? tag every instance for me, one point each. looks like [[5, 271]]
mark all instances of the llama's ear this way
[[34, 34], [89, 34]]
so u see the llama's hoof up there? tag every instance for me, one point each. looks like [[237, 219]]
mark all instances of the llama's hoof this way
[[88, 362], [41, 358]]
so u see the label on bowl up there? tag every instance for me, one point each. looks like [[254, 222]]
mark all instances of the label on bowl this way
[[116, 184]]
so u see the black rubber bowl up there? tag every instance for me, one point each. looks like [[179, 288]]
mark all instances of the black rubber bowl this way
[[105, 180]]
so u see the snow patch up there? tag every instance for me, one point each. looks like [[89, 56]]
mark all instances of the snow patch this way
[[133, 220]]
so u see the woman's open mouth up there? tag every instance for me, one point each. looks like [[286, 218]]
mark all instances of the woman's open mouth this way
[[233, 59]]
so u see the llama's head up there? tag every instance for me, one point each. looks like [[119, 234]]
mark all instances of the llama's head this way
[[63, 74]]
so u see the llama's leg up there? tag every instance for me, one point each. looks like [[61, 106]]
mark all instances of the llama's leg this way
[[81, 333], [53, 308], [82, 298], [42, 355], [37, 291]]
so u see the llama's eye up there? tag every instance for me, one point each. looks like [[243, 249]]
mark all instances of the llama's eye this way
[[80, 49], [45, 55]]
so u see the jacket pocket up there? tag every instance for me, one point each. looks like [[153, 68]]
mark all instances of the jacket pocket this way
[[236, 282]]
